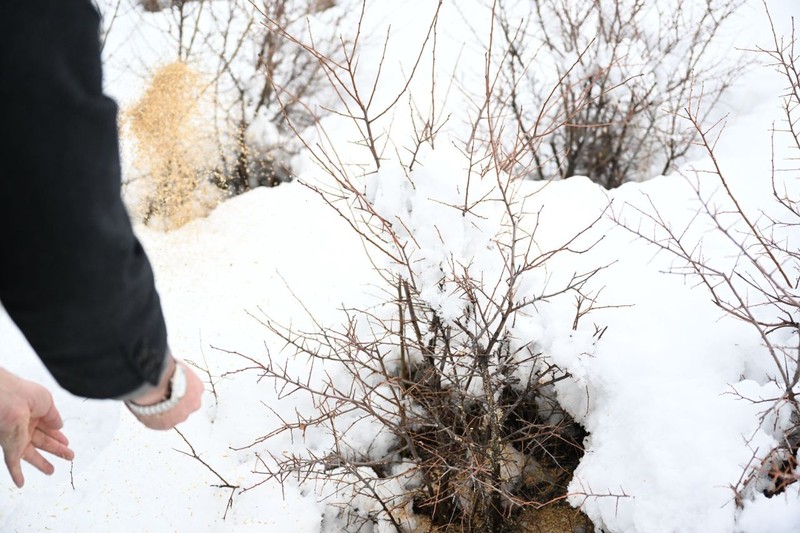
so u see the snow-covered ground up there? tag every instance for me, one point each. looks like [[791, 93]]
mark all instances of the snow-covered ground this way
[[661, 395]]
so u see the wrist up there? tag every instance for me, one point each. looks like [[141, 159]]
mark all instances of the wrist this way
[[176, 390], [161, 391]]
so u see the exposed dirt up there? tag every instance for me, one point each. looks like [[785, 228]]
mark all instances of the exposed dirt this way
[[555, 518]]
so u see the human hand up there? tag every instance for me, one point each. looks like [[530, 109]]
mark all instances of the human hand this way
[[29, 422], [188, 404]]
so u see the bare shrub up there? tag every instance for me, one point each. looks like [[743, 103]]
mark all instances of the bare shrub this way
[[437, 397], [240, 65], [760, 287], [249, 64], [619, 69]]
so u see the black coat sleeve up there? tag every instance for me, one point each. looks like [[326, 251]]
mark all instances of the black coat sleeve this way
[[73, 277]]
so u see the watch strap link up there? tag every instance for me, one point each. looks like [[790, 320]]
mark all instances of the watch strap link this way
[[177, 392]]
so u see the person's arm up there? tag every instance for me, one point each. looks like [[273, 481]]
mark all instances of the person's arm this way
[[73, 276]]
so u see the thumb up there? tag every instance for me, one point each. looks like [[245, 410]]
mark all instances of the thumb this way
[[42, 406], [52, 418]]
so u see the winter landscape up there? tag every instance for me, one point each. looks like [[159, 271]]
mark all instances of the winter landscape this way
[[520, 257]]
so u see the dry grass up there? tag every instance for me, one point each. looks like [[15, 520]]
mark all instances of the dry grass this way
[[174, 146]]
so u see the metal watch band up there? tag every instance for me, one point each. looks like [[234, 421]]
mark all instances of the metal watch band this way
[[178, 390]]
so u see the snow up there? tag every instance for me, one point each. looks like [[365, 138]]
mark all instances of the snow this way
[[671, 395]]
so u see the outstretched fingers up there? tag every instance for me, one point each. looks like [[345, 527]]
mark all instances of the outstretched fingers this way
[[30, 424], [37, 460], [52, 441], [14, 466], [14, 441]]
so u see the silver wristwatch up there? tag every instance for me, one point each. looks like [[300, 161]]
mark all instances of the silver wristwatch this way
[[177, 392]]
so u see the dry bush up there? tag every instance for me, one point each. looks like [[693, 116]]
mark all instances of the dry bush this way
[[169, 124], [621, 67], [250, 65], [243, 65], [760, 286], [441, 371]]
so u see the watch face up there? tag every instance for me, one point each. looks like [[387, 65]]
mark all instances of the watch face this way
[[175, 392], [178, 383]]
